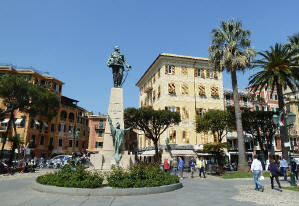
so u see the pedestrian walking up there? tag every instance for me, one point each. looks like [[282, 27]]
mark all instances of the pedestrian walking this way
[[283, 168], [202, 167], [166, 165], [294, 168], [257, 169], [274, 173], [181, 167], [192, 167], [175, 167]]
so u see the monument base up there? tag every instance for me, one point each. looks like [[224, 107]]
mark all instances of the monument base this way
[[105, 159]]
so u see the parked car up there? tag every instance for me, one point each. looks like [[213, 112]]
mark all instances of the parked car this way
[[58, 161]]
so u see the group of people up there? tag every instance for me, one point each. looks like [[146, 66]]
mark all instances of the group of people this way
[[276, 167], [177, 165]]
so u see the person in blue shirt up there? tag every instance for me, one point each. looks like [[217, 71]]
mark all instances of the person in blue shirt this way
[[181, 167]]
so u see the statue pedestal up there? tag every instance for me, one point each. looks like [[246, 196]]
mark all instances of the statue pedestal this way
[[105, 159]]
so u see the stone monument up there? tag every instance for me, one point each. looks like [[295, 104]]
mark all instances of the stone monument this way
[[114, 131]]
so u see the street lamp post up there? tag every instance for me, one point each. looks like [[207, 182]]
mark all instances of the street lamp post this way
[[289, 120]]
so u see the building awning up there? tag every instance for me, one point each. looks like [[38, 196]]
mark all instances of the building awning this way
[[183, 153], [237, 153], [203, 154], [18, 121], [36, 122], [148, 153], [5, 120], [45, 124]]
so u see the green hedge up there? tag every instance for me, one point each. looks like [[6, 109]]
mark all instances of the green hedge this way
[[69, 176], [140, 176]]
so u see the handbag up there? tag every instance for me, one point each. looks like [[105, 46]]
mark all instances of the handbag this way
[[262, 177]]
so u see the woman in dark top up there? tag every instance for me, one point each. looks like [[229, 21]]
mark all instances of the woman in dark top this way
[[274, 173]]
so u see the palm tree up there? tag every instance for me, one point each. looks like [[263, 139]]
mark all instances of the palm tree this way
[[293, 45], [279, 72], [230, 51]]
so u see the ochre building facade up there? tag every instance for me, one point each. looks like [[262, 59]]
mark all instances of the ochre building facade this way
[[188, 85], [40, 136]]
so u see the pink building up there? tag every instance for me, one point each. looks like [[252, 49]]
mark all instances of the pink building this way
[[96, 125]]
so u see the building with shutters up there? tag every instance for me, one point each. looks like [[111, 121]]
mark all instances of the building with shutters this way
[[292, 105], [40, 136], [97, 124], [264, 100], [185, 84]]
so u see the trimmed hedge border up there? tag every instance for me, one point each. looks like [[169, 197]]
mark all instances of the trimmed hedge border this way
[[105, 191]]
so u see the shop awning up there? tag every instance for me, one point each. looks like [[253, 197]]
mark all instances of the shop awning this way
[[203, 154], [183, 153], [5, 120], [18, 121], [36, 122], [148, 153]]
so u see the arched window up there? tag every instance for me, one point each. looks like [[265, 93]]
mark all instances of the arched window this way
[[63, 115], [71, 117]]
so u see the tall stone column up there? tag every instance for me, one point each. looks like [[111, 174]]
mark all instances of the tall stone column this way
[[116, 113]]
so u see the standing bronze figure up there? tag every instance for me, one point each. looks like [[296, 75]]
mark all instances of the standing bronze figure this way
[[116, 62], [118, 137]]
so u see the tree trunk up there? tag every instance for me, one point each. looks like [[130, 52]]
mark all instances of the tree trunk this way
[[14, 144], [156, 157], [6, 133], [283, 129], [242, 163]]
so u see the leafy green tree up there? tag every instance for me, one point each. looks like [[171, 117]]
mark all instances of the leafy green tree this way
[[217, 150], [153, 123], [219, 122], [280, 72], [230, 51], [260, 125], [22, 96]]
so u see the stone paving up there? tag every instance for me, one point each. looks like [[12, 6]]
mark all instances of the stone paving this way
[[269, 196], [15, 190]]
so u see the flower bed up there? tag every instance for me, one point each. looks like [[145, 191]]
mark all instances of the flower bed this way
[[137, 177], [69, 176], [140, 175]]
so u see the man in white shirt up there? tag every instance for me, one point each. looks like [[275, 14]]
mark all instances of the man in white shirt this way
[[257, 169], [283, 164]]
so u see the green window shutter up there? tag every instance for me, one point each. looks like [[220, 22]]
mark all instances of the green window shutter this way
[[51, 141], [60, 142], [100, 133], [276, 97], [255, 142]]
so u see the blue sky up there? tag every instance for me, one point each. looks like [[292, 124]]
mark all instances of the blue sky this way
[[72, 39]]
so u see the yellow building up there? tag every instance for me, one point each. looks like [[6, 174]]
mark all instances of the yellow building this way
[[185, 84], [40, 136], [292, 105]]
